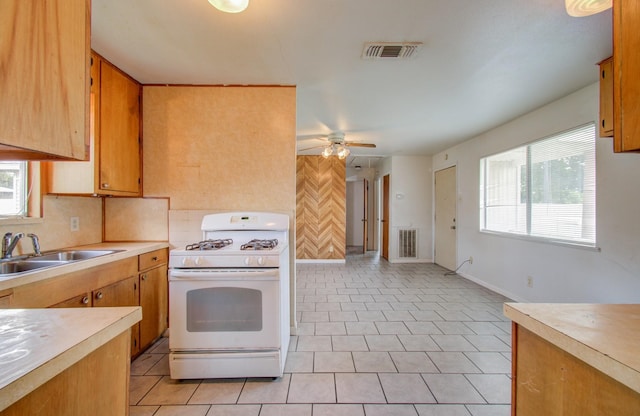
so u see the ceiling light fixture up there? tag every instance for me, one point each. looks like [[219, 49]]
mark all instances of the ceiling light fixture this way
[[341, 151], [581, 8], [230, 6]]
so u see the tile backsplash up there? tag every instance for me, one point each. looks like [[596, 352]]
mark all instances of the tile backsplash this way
[[54, 230], [136, 219]]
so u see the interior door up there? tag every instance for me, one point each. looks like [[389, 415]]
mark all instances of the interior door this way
[[445, 218], [385, 217], [365, 216]]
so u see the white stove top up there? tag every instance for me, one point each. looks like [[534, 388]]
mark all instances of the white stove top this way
[[237, 229]]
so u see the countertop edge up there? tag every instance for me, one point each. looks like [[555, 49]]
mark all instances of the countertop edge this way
[[604, 363], [130, 249], [22, 386]]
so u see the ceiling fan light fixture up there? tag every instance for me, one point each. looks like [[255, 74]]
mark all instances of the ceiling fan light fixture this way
[[230, 6], [343, 152], [327, 151], [581, 8]]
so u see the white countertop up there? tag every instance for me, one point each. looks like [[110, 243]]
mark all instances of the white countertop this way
[[38, 344], [607, 337], [129, 249]]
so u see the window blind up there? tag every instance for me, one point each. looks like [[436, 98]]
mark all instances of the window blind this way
[[545, 189]]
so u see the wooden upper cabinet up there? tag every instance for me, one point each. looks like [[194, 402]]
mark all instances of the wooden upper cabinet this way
[[115, 164], [606, 98], [44, 99], [119, 131], [626, 83]]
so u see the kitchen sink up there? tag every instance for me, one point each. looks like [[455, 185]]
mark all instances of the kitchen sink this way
[[71, 255], [19, 266], [50, 259]]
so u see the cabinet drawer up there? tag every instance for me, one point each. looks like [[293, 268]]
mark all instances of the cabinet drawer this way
[[152, 259]]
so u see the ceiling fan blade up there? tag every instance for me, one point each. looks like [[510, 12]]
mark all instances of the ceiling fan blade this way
[[311, 148], [311, 137], [359, 144]]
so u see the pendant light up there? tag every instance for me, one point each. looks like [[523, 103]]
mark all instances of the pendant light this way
[[230, 6], [581, 8]]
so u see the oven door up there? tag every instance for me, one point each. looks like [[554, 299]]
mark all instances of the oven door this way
[[232, 310]]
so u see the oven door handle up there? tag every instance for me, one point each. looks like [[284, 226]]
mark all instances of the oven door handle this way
[[239, 274]]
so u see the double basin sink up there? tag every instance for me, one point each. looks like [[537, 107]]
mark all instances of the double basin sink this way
[[49, 259]]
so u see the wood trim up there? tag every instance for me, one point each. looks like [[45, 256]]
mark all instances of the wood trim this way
[[320, 207], [514, 361]]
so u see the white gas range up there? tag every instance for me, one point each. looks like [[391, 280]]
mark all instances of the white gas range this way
[[229, 298]]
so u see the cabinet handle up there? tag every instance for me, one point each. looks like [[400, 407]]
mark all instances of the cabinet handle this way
[[99, 295], [144, 277], [105, 185], [85, 300], [154, 258]]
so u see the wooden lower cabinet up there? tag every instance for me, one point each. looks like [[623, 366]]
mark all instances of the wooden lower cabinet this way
[[153, 297], [122, 293], [549, 381], [97, 385]]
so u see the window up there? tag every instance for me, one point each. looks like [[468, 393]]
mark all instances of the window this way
[[13, 189], [546, 189]]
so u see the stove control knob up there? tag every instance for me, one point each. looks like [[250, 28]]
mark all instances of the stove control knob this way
[[185, 261], [247, 261], [197, 261], [260, 261]]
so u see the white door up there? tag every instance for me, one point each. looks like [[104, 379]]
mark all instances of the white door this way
[[445, 218]]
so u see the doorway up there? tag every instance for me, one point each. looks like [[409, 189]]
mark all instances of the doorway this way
[[356, 216], [445, 244], [384, 251]]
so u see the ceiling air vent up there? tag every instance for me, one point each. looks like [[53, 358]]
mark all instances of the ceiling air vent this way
[[385, 50]]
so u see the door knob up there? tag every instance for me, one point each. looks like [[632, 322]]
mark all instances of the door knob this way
[[453, 227]]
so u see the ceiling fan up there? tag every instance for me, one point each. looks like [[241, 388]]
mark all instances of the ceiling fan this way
[[336, 144]]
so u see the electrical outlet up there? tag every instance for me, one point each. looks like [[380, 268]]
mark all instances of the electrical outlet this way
[[331, 249], [74, 223], [470, 260], [529, 281]]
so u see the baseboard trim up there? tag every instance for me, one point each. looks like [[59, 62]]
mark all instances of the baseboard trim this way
[[321, 261], [496, 289]]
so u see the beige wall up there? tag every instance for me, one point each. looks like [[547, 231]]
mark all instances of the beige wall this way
[[220, 148], [213, 149]]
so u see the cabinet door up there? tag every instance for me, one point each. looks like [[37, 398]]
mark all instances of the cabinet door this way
[[154, 302], [122, 293], [80, 301], [44, 104], [119, 126], [626, 84]]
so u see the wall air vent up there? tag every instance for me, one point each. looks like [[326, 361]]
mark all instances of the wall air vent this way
[[407, 243], [386, 50]]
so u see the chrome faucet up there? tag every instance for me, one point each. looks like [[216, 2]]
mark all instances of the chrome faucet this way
[[9, 242], [36, 244]]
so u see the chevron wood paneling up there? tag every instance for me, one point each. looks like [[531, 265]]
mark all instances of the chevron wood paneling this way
[[320, 208]]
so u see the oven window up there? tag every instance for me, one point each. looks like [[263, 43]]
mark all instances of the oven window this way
[[224, 309]]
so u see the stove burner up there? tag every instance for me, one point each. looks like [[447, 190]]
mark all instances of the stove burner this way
[[210, 244], [260, 245]]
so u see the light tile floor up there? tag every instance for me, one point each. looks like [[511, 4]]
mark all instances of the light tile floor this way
[[374, 339]]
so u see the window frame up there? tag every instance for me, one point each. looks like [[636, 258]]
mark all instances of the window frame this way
[[527, 236], [33, 214]]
